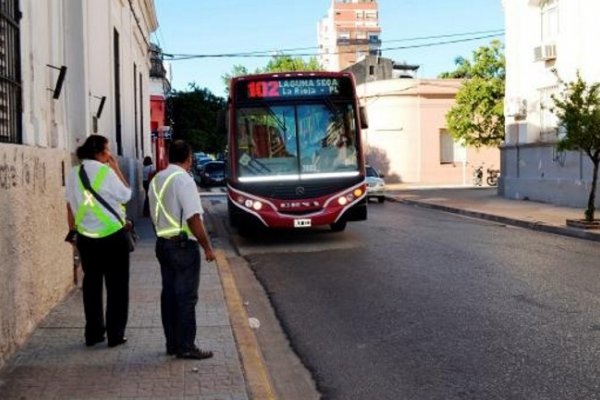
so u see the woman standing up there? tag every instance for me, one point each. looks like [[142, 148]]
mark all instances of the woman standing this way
[[100, 239], [147, 174]]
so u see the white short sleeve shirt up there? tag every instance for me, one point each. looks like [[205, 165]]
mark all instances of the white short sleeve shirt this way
[[112, 190], [180, 198]]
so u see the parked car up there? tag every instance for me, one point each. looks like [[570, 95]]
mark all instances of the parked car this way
[[213, 173], [200, 162], [375, 184]]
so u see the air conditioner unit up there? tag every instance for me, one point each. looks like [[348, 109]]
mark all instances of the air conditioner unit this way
[[516, 107], [544, 52]]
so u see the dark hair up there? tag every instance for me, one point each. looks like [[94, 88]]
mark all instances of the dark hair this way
[[147, 161], [93, 145], [179, 152]]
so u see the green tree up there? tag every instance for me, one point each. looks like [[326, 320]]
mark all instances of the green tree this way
[[278, 63], [578, 112], [462, 71], [194, 115], [286, 63], [238, 70], [477, 117]]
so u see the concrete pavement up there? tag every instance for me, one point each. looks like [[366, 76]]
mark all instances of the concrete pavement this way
[[55, 364], [483, 202]]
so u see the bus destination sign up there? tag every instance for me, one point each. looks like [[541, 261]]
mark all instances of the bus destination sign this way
[[283, 88]]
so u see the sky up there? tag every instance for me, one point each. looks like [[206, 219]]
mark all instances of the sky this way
[[235, 26]]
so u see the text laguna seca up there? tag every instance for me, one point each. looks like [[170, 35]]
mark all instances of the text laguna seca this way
[[293, 87]]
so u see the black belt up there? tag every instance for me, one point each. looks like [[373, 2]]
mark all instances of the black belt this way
[[175, 239], [169, 238]]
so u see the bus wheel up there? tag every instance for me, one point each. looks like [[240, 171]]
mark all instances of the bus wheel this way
[[381, 199], [338, 226]]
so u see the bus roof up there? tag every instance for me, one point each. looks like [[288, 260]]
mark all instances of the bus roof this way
[[294, 74], [279, 86]]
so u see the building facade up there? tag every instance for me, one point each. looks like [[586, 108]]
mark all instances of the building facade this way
[[72, 68], [160, 86], [545, 38], [349, 32], [407, 139], [376, 68]]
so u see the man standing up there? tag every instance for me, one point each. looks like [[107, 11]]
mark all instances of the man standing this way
[[176, 212]]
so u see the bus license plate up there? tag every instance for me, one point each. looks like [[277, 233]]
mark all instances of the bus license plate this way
[[302, 223]]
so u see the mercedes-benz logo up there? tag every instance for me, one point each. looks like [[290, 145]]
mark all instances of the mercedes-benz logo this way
[[300, 190]]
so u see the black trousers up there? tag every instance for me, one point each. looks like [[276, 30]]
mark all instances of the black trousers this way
[[146, 209], [180, 271], [105, 260]]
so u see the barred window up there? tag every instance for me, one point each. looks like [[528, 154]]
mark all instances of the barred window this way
[[10, 72]]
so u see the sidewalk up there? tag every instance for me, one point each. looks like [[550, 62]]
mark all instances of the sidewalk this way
[[484, 203], [55, 363]]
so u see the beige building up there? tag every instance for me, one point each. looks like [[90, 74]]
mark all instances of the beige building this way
[[349, 32], [407, 139], [543, 36], [100, 49]]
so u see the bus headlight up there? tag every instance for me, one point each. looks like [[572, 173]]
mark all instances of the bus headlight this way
[[257, 205], [342, 201], [358, 192], [248, 203]]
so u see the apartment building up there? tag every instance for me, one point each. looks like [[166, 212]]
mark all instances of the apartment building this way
[[543, 36], [70, 69], [349, 32]]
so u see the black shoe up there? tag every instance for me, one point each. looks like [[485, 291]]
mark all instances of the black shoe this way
[[195, 354], [171, 352], [116, 343], [91, 342]]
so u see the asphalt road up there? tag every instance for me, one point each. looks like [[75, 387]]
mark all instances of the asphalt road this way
[[421, 304]]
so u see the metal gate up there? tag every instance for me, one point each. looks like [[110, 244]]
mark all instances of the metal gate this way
[[10, 72]]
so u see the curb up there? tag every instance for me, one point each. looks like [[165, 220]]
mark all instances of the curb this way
[[255, 370], [538, 226]]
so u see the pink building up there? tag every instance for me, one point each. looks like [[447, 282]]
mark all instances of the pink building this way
[[408, 140]]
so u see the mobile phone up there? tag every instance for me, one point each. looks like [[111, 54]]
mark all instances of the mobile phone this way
[[71, 236]]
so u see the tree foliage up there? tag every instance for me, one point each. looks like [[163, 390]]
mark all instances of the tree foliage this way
[[194, 115], [278, 63], [462, 71], [285, 63], [578, 112], [477, 118]]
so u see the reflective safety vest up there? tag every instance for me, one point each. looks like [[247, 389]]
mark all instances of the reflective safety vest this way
[[90, 204], [176, 226]]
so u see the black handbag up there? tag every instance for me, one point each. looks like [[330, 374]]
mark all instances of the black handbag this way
[[128, 224]]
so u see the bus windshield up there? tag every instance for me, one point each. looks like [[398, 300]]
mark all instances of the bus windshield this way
[[293, 141]]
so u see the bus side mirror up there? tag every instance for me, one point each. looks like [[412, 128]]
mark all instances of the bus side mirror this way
[[364, 121]]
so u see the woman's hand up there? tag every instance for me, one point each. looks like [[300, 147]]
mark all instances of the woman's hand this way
[[112, 162], [114, 165]]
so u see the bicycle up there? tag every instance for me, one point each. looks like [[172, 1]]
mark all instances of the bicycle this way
[[492, 178]]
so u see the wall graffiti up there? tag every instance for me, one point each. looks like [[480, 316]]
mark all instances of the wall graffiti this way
[[20, 170]]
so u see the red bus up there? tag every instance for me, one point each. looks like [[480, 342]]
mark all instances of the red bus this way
[[295, 152]]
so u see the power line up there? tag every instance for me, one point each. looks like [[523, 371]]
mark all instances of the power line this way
[[270, 53], [262, 54]]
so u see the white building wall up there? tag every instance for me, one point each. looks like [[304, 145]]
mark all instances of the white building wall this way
[[532, 168], [37, 265]]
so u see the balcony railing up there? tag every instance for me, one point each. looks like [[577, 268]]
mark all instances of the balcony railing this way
[[358, 42]]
